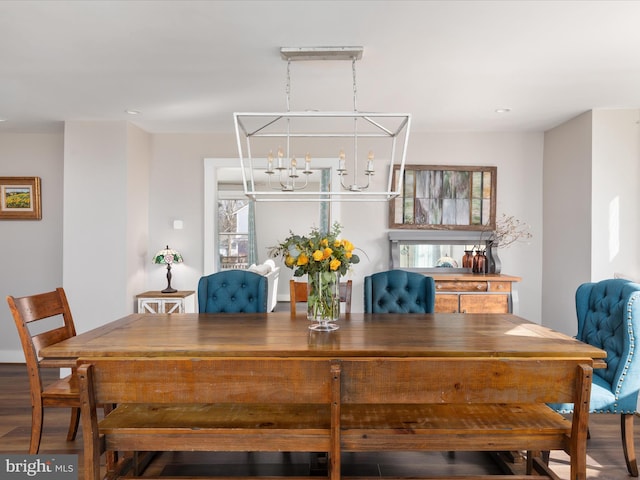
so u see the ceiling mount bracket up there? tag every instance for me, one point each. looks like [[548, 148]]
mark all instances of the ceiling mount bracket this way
[[321, 53]]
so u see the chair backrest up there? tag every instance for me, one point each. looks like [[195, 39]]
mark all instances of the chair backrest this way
[[298, 292], [232, 291], [399, 291], [26, 312], [609, 318]]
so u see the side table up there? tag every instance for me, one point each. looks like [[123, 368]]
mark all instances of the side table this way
[[183, 301]]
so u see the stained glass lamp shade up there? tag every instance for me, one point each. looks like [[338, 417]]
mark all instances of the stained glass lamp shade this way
[[167, 257]]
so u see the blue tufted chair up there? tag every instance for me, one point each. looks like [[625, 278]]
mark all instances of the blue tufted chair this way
[[232, 291], [399, 291], [609, 318]]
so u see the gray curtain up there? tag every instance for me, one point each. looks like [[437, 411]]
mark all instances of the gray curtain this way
[[253, 241]]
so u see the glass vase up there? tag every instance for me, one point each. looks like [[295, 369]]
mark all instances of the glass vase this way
[[323, 300]]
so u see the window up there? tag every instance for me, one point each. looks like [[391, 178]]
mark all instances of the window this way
[[233, 232]]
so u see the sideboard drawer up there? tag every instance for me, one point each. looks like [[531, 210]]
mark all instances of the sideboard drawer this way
[[446, 303], [499, 286], [456, 286], [484, 303]]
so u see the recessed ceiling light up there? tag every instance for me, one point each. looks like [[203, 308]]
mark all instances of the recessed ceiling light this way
[[132, 112], [503, 110]]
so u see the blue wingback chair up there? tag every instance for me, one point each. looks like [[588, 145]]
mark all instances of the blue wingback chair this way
[[399, 291], [232, 291], [609, 318]]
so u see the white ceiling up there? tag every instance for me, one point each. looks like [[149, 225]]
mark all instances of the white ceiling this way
[[187, 65]]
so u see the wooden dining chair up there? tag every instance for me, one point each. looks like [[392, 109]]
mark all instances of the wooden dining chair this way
[[63, 392], [298, 293]]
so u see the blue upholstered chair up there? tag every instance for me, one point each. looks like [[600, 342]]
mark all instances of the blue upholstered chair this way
[[232, 291], [399, 291], [609, 318]]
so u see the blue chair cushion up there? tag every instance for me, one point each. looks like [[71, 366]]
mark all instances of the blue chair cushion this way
[[399, 291], [232, 291], [602, 398]]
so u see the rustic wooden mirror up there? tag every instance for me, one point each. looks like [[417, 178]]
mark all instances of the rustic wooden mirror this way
[[445, 197]]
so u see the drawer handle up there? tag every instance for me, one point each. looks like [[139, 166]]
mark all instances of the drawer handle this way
[[479, 287]]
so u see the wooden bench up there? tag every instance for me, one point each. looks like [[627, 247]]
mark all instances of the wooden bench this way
[[334, 406], [448, 404], [203, 404]]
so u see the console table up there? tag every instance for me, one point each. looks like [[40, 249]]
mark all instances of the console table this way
[[183, 301]]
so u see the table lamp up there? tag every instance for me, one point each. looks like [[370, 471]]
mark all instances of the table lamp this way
[[167, 257]]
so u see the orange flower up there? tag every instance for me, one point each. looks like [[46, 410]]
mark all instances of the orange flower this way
[[289, 261], [318, 255], [302, 260], [335, 264], [324, 242], [326, 253]]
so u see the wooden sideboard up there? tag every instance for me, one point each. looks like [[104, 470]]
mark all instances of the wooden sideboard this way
[[475, 293]]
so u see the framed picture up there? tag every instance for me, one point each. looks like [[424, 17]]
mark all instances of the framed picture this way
[[20, 198], [445, 197]]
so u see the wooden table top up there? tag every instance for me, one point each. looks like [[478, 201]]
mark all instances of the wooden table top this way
[[359, 335]]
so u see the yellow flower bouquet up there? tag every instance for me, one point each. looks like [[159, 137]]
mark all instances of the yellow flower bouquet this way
[[323, 257]]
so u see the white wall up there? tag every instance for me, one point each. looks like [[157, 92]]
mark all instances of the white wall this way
[[34, 262], [567, 220], [176, 193], [102, 242], [615, 196], [591, 225], [137, 212]]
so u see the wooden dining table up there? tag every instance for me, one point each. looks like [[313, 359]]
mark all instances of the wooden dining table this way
[[277, 334], [375, 339]]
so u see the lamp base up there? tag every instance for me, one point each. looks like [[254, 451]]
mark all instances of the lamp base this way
[[169, 289]]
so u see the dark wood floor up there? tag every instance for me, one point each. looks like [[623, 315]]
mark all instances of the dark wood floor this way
[[605, 458]]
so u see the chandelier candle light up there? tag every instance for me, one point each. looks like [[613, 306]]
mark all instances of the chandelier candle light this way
[[278, 177], [167, 257]]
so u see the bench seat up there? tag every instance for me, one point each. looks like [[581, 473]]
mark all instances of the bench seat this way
[[461, 427], [217, 427]]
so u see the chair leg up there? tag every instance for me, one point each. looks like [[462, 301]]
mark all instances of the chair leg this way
[[36, 428], [73, 424], [626, 428]]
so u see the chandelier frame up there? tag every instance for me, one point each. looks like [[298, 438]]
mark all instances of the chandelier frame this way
[[284, 126]]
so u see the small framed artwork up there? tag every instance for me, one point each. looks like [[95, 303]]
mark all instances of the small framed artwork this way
[[20, 198]]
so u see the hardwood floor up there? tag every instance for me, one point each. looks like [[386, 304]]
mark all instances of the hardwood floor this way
[[605, 459]]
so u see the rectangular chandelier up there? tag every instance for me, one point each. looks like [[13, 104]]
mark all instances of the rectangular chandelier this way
[[321, 156]]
